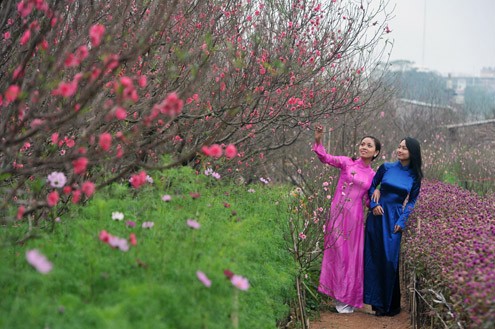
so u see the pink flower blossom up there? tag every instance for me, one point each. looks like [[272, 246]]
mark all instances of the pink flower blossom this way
[[104, 236], [230, 151], [65, 89], [193, 224], [88, 188], [76, 196], [105, 141], [119, 243], [120, 113], [142, 81], [82, 53], [171, 105], [25, 37], [133, 239], [148, 224], [12, 93], [166, 198], [71, 60], [80, 165], [18, 72], [302, 236], [70, 142], [96, 33], [203, 279], [38, 261], [216, 151], [52, 198], [240, 282], [20, 212], [24, 8], [138, 179], [57, 179]]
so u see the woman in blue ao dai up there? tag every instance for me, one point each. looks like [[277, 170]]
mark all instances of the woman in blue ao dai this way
[[341, 274], [399, 184]]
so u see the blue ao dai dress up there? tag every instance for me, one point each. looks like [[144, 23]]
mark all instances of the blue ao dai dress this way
[[382, 245]]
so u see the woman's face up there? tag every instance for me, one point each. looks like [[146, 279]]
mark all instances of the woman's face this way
[[403, 151], [367, 148]]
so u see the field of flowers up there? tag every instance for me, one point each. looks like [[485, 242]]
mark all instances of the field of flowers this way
[[450, 244]]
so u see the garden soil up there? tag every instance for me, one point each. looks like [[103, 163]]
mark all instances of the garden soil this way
[[364, 318], [361, 319]]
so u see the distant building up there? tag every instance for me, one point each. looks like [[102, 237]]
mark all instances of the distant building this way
[[487, 72], [458, 84]]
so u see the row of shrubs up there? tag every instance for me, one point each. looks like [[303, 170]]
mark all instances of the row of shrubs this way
[[450, 244]]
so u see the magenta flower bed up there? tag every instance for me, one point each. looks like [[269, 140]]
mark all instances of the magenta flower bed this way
[[451, 242]]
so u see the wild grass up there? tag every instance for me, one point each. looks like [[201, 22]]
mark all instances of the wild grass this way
[[154, 284]]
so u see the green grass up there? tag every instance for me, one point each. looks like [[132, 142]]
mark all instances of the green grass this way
[[154, 284]]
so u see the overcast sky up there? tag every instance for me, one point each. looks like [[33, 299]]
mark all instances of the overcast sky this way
[[459, 35]]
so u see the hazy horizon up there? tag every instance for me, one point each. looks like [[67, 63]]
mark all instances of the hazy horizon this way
[[457, 36]]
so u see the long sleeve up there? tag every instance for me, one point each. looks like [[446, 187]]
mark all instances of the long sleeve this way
[[413, 196], [377, 179], [333, 160]]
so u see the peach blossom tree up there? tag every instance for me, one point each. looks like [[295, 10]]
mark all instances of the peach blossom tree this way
[[94, 93]]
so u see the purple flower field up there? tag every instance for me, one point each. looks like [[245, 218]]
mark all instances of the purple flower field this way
[[451, 242]]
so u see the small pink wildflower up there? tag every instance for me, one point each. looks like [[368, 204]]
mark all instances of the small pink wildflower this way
[[116, 242], [80, 165], [166, 198], [132, 239], [203, 279], [104, 236], [240, 282], [148, 224], [57, 179], [38, 261], [193, 224]]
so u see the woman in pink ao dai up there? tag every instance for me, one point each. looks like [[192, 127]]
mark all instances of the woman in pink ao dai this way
[[341, 274]]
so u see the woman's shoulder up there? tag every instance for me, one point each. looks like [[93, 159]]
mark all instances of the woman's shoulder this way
[[388, 165]]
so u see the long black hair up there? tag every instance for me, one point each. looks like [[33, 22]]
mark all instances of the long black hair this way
[[416, 162]]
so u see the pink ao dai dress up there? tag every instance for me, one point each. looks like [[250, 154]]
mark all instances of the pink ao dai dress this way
[[342, 267]]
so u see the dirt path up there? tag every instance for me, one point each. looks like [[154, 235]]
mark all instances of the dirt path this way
[[361, 319]]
